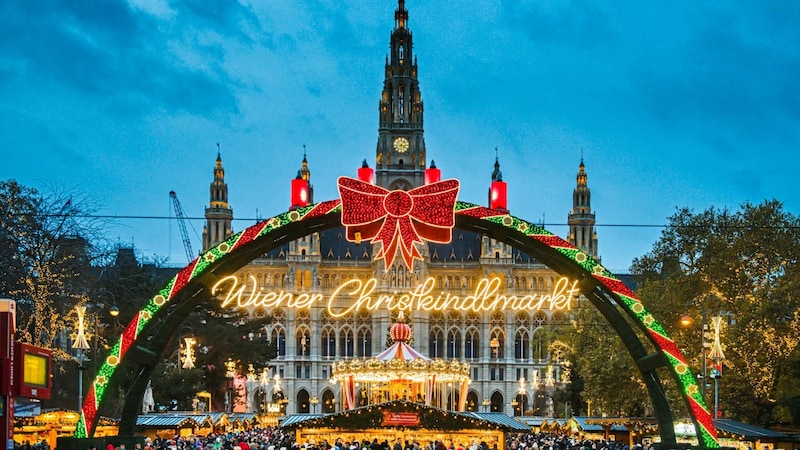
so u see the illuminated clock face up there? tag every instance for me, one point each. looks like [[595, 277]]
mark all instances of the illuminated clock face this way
[[400, 145]]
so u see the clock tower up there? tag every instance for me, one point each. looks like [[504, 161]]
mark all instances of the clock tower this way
[[400, 154]]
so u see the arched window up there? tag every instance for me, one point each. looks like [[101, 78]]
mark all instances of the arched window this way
[[497, 344], [454, 343], [328, 343], [303, 405], [364, 342], [471, 344], [472, 402], [328, 402], [346, 342], [436, 343], [279, 338], [302, 342], [497, 402], [521, 344], [401, 102]]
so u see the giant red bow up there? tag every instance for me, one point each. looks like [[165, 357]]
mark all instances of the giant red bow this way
[[398, 217]]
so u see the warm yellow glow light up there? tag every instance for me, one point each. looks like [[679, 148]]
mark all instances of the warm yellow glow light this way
[[357, 294]]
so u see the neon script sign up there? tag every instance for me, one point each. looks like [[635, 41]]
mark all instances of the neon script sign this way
[[355, 294]]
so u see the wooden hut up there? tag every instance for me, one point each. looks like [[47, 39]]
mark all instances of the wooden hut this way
[[404, 420]]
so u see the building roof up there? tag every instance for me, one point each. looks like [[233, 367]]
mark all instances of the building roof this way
[[293, 420], [532, 421], [242, 417], [594, 425], [169, 420], [728, 427], [500, 419]]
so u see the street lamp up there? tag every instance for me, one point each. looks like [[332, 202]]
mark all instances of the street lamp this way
[[486, 404], [716, 353], [687, 321], [314, 400], [514, 404], [711, 347], [230, 373]]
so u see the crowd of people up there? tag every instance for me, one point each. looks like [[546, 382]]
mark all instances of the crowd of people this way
[[277, 439], [546, 441]]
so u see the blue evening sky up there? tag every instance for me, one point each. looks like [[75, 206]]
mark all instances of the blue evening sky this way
[[675, 104]]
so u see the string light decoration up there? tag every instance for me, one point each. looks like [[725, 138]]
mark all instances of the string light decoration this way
[[398, 218], [188, 353], [707, 435], [372, 416]]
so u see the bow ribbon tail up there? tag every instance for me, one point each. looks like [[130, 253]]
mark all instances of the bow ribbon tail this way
[[408, 238], [409, 253], [388, 236]]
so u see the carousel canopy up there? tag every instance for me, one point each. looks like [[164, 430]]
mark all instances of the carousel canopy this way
[[402, 351], [400, 362]]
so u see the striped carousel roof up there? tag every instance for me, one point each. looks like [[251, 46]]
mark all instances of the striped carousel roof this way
[[400, 350]]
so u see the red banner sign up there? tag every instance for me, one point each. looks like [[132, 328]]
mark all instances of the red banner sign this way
[[400, 418]]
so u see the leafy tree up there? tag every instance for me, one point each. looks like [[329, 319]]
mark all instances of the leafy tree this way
[[47, 247], [743, 266], [607, 378], [221, 335]]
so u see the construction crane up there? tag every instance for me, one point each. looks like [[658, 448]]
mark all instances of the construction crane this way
[[187, 244]]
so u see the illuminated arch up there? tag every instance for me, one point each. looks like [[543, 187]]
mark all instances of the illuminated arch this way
[[147, 335]]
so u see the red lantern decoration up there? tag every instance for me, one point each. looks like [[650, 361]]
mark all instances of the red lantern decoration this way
[[432, 175], [366, 174], [498, 198], [299, 193]]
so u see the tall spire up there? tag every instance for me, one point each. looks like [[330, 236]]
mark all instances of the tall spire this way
[[498, 190], [401, 15], [304, 173], [400, 153], [497, 175], [219, 214], [581, 219]]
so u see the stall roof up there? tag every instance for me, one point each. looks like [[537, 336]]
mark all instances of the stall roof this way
[[168, 420], [619, 424], [500, 419], [532, 421], [750, 432], [294, 419], [242, 417]]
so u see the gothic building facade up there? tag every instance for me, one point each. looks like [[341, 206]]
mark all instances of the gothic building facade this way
[[512, 369]]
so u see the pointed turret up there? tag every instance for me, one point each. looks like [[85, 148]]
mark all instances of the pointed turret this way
[[498, 192], [581, 219], [496, 174], [432, 174], [400, 15], [219, 214], [302, 189], [366, 174]]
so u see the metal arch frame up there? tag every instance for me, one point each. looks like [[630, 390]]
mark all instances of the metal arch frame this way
[[147, 335]]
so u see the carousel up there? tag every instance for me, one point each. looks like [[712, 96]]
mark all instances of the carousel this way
[[402, 373], [403, 395]]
